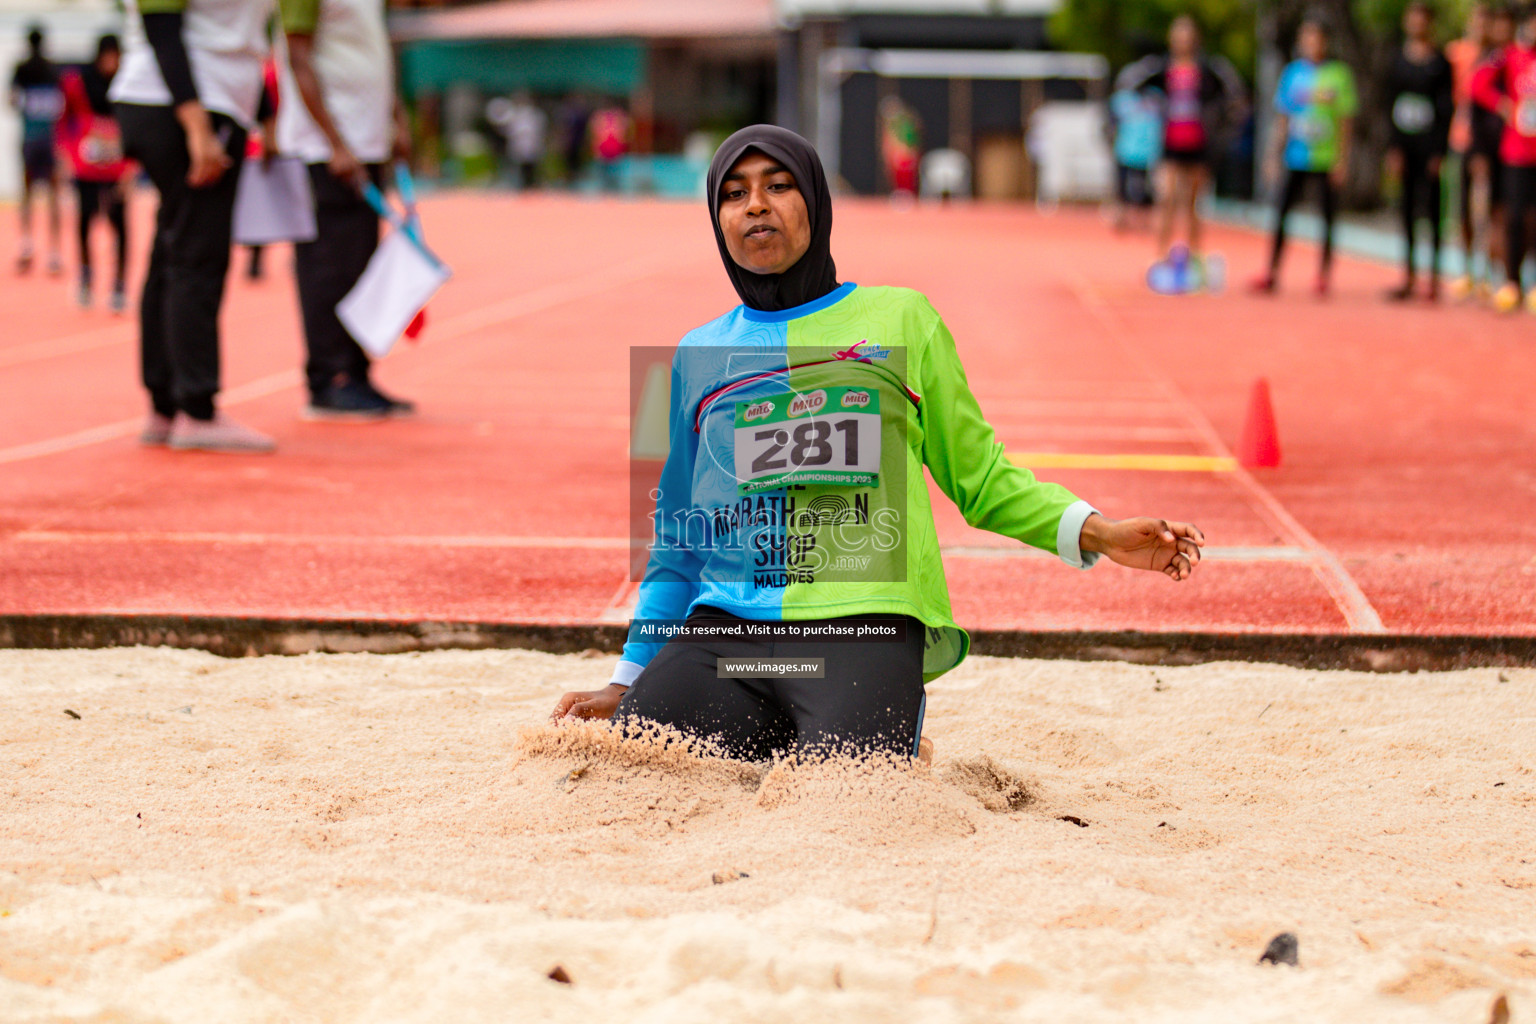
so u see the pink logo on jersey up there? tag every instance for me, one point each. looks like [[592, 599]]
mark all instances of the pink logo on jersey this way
[[852, 352]]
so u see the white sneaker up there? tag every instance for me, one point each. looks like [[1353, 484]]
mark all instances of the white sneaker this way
[[220, 434], [156, 430]]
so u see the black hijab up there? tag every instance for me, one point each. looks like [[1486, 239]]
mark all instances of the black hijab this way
[[814, 275]]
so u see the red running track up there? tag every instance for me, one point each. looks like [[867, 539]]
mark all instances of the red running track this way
[[1406, 503]]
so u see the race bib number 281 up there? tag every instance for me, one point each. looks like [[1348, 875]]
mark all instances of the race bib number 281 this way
[[830, 436]]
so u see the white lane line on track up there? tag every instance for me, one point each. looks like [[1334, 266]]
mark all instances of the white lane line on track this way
[[246, 392], [536, 301], [622, 596], [84, 341], [1359, 615]]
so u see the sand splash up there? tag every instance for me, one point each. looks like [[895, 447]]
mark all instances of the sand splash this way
[[367, 839]]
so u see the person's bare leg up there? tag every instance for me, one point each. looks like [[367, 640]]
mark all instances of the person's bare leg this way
[[1471, 224], [24, 211], [1192, 208], [1495, 235], [55, 229], [1169, 179]]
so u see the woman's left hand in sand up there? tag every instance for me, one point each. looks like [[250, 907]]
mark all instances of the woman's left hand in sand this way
[[590, 703], [1172, 549]]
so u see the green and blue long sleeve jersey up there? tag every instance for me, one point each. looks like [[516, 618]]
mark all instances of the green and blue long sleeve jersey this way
[[793, 487]]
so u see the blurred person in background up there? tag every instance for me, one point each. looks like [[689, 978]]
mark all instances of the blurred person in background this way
[[1464, 54], [1315, 107], [609, 130], [343, 119], [901, 146], [188, 91], [1506, 85], [38, 99], [260, 145], [1202, 95], [1483, 178], [1419, 106], [1136, 124], [526, 129], [93, 146], [575, 115]]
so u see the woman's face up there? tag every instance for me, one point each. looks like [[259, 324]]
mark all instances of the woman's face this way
[[1501, 30], [1183, 38], [762, 215], [1312, 43]]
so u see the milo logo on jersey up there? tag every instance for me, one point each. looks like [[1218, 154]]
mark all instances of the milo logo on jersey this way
[[826, 437], [801, 405]]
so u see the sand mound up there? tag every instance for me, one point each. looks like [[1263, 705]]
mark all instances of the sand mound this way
[[357, 838]]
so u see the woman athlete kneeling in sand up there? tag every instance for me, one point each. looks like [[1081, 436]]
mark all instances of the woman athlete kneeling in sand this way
[[792, 518]]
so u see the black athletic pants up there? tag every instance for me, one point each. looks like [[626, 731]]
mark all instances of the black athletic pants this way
[[1290, 195], [1421, 197], [871, 698], [346, 235], [184, 286], [104, 198], [1519, 203]]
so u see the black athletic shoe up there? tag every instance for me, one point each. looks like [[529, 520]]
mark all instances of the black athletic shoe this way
[[351, 400], [397, 406]]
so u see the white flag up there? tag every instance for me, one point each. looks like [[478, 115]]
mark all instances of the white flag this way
[[398, 283]]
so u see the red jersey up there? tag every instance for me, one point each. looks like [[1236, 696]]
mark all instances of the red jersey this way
[[1185, 129], [1511, 76], [89, 139]]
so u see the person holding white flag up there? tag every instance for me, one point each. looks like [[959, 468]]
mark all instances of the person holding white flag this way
[[340, 116]]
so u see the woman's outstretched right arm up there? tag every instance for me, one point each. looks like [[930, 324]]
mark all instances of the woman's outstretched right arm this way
[[672, 573]]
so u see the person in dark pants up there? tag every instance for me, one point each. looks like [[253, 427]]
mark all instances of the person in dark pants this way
[[185, 122], [347, 233], [93, 145], [744, 714], [1505, 85], [757, 508], [1420, 105], [36, 95], [1315, 107], [344, 124]]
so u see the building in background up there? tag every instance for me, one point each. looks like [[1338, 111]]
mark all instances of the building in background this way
[[682, 68], [973, 74], [976, 74]]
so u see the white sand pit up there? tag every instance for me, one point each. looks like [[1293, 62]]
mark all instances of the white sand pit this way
[[358, 838]]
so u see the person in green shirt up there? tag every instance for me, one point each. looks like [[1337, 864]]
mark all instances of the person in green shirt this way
[[1315, 107], [792, 516]]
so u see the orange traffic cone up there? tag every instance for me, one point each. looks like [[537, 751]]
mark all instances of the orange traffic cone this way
[[1260, 445]]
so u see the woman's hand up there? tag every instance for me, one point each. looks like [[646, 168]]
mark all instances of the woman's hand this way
[[590, 703], [1172, 549]]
